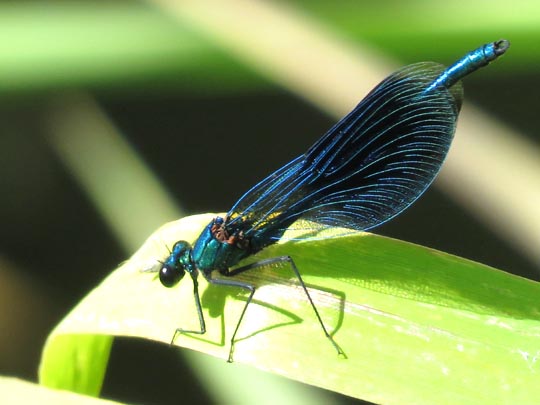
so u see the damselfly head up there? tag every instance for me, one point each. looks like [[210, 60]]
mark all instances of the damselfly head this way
[[173, 269]]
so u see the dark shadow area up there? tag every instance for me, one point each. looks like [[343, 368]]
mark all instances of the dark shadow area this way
[[144, 372]]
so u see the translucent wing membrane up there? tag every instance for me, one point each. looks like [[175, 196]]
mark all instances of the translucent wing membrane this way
[[366, 169]]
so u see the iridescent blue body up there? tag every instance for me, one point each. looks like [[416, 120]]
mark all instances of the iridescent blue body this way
[[369, 167], [210, 253], [469, 63]]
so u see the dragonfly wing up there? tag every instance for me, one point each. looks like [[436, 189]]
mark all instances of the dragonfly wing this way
[[381, 157], [367, 168]]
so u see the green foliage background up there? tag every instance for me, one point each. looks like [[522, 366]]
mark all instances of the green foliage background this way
[[192, 117]]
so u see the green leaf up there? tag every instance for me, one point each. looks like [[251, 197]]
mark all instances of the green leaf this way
[[75, 362], [417, 325]]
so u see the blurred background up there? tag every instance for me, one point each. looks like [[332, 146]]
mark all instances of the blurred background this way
[[117, 117]]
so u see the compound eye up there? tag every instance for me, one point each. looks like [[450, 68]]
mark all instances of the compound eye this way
[[170, 275]]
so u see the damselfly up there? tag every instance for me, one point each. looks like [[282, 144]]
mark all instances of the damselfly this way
[[365, 170]]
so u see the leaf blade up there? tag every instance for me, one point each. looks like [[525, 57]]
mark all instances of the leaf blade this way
[[416, 324]]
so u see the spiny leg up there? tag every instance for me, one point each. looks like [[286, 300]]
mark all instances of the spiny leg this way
[[283, 259], [232, 283], [202, 324]]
